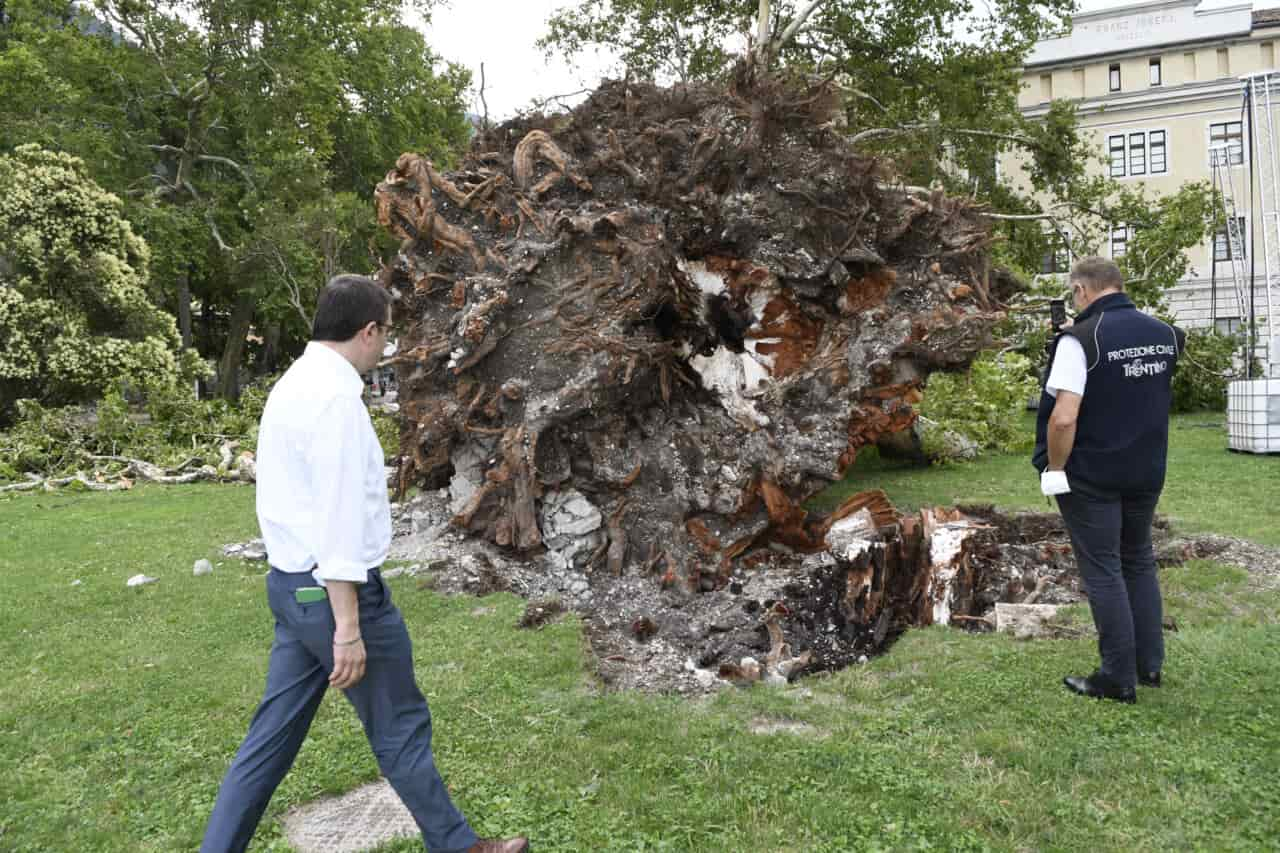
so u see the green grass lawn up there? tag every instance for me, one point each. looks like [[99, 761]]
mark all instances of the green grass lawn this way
[[120, 708]]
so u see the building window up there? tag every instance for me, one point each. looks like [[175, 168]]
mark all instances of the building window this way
[[1046, 87], [1115, 147], [1115, 78], [1138, 152], [1222, 243], [1119, 240], [1231, 135], [1155, 72], [1159, 162], [1228, 325]]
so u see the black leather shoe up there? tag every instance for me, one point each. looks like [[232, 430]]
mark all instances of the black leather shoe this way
[[1149, 679], [1098, 686]]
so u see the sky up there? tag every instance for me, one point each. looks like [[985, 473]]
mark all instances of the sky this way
[[501, 34]]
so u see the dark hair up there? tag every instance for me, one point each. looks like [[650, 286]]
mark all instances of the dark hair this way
[[1095, 274], [347, 304]]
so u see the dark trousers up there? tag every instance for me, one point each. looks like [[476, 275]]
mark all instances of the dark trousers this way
[[387, 700], [1111, 538]]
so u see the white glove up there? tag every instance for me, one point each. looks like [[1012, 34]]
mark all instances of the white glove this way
[[1054, 483]]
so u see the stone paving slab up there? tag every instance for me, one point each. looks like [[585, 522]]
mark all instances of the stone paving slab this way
[[357, 820]]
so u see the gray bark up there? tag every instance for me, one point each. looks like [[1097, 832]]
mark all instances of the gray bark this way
[[233, 352]]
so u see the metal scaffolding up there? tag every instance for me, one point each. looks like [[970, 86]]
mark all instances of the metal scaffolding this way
[[1253, 403], [1261, 99], [1224, 194]]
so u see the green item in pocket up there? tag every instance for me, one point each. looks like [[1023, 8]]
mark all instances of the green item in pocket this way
[[310, 594]]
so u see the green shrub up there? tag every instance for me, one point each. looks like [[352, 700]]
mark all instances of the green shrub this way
[[171, 427], [984, 404], [1200, 382], [44, 440]]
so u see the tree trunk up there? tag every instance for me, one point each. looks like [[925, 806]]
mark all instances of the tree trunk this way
[[233, 352], [270, 350], [184, 308]]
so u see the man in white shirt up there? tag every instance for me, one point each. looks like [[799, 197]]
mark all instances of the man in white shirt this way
[[325, 517]]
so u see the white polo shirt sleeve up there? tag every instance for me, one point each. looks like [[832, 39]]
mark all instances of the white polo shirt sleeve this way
[[1070, 369], [336, 466]]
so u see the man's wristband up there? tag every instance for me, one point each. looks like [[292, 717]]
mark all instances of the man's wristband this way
[[347, 642]]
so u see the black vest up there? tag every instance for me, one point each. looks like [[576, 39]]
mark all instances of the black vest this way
[[1122, 432]]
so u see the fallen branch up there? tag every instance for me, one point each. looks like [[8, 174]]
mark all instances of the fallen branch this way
[[49, 484]]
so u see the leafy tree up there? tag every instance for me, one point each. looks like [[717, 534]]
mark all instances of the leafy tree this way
[[932, 85], [229, 126], [681, 39], [1202, 383], [75, 315]]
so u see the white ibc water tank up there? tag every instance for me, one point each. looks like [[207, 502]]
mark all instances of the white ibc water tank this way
[[1253, 415]]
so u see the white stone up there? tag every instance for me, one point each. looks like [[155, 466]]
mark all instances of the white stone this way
[[139, 580], [202, 567], [705, 678], [724, 373], [256, 550], [468, 475], [1024, 620], [367, 817], [579, 506], [569, 514]]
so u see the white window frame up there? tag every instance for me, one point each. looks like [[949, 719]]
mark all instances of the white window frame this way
[[1134, 152], [1155, 71], [1116, 143], [1113, 77], [1208, 141]]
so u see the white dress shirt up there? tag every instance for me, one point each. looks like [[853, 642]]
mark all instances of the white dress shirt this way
[[1070, 371], [322, 489]]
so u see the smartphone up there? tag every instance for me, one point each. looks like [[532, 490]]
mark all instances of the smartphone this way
[[309, 594], [1057, 313]]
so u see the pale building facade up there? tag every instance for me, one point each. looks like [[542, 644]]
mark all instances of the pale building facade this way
[[1156, 85]]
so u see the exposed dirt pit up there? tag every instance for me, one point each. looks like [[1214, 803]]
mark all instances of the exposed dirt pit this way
[[783, 615]]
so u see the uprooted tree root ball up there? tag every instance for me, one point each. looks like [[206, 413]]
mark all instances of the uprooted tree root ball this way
[[636, 338]]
